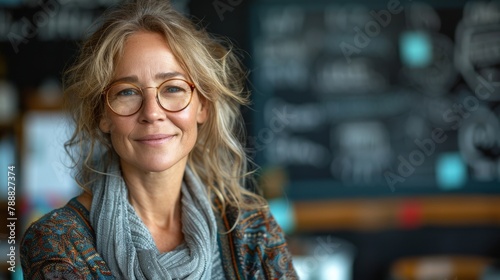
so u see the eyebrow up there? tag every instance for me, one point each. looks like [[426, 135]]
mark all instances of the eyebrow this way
[[159, 76]]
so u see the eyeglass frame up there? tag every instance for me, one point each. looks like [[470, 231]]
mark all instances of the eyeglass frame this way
[[106, 90]]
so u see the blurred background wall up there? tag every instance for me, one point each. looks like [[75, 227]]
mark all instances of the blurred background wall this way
[[375, 125]]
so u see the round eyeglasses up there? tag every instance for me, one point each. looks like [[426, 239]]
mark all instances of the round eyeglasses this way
[[126, 99]]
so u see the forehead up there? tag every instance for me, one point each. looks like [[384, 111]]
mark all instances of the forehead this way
[[146, 55]]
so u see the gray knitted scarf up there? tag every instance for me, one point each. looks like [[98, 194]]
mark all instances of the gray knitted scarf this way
[[128, 247]]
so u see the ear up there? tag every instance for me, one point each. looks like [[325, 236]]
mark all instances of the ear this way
[[105, 124], [202, 113]]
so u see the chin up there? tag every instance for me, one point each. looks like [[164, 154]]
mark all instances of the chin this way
[[156, 167], [160, 166]]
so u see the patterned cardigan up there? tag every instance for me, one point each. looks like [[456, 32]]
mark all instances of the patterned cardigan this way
[[61, 245]]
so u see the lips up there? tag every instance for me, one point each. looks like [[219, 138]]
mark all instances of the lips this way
[[154, 139]]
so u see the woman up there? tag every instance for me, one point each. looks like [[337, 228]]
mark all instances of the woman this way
[[156, 108]]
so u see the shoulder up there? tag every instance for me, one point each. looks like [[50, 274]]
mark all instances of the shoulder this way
[[260, 224], [255, 226], [260, 244], [62, 241], [60, 225]]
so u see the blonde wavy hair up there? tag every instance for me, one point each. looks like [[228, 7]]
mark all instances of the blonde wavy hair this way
[[218, 157]]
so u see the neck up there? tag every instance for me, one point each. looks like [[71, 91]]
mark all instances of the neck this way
[[156, 198]]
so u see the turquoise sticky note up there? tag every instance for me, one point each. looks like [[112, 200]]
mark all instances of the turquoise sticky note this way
[[451, 171], [282, 211], [415, 49]]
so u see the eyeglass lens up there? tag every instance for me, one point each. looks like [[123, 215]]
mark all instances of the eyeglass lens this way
[[126, 99]]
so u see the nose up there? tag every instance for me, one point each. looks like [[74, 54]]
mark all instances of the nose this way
[[151, 110]]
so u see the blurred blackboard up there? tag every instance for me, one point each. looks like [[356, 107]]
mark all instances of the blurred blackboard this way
[[377, 98]]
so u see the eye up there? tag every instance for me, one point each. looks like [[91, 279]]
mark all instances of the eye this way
[[174, 87], [122, 91], [172, 90], [127, 92]]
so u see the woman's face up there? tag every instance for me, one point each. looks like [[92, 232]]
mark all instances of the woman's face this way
[[152, 140]]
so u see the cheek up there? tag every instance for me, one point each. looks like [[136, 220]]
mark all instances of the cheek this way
[[120, 129], [108, 122], [185, 120], [117, 137]]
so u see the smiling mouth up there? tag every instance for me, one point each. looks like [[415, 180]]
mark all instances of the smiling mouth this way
[[155, 139]]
